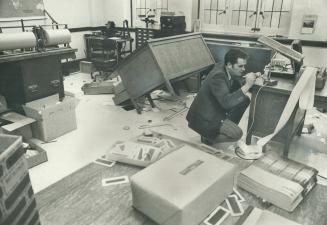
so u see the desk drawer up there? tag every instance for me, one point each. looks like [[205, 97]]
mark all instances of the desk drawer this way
[[41, 77], [28, 80]]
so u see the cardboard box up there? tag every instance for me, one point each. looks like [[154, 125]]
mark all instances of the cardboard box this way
[[17, 124], [96, 88], [37, 159], [86, 67], [53, 118], [183, 187], [14, 123]]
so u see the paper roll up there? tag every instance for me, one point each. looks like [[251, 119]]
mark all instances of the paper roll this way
[[55, 37], [303, 93], [10, 41]]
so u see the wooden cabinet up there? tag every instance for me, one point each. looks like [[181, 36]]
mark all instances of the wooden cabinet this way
[[28, 80], [31, 76]]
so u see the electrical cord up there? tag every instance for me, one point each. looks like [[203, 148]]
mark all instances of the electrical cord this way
[[254, 105], [237, 149]]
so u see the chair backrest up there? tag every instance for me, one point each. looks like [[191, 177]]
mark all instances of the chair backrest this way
[[109, 44]]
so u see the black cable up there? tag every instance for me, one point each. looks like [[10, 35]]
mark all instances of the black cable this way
[[254, 105]]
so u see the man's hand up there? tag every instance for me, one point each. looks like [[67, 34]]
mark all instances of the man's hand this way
[[249, 81]]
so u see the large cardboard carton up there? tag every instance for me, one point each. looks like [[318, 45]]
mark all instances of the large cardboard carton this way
[[17, 124], [183, 187], [14, 123], [53, 117], [96, 88]]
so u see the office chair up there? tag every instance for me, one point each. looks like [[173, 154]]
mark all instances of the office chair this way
[[106, 61]]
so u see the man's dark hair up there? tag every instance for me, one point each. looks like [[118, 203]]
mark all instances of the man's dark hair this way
[[233, 54]]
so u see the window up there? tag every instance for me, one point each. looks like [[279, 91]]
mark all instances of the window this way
[[145, 8], [215, 11], [266, 16]]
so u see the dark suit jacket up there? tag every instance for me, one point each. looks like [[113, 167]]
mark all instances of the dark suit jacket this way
[[213, 102]]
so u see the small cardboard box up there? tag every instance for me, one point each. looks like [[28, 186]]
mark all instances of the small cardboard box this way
[[53, 117], [17, 124], [86, 67], [183, 187], [96, 88], [37, 159]]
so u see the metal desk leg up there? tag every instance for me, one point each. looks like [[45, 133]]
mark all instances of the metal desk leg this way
[[250, 121], [299, 131], [137, 107], [150, 100]]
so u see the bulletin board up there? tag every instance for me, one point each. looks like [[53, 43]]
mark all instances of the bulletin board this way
[[21, 8]]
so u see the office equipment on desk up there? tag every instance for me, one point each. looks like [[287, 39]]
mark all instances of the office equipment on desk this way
[[292, 181], [275, 113], [289, 64], [172, 25], [30, 62], [282, 49], [163, 61]]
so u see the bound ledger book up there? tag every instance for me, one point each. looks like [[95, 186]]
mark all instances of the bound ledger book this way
[[280, 181]]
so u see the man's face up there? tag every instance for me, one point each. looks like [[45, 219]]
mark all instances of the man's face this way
[[238, 68]]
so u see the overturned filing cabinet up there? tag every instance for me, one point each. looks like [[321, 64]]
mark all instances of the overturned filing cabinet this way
[[162, 61]]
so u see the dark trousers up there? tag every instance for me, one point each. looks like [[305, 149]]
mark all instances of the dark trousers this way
[[229, 130]]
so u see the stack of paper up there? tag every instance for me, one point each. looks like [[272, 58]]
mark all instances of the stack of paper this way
[[280, 181]]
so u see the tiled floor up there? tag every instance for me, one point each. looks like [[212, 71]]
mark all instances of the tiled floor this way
[[101, 123]]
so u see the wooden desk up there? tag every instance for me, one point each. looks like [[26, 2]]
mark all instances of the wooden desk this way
[[80, 199], [28, 76], [267, 104]]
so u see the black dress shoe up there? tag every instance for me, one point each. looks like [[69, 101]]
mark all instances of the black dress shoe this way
[[206, 141]]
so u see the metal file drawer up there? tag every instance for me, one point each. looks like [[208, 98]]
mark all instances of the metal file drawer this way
[[40, 77], [32, 79]]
